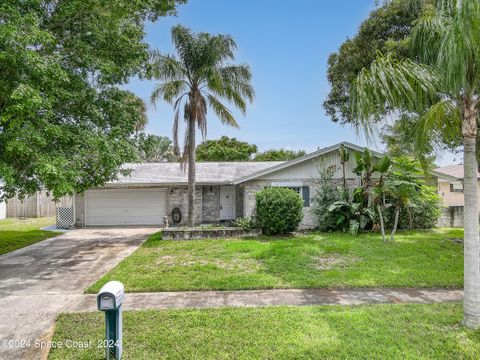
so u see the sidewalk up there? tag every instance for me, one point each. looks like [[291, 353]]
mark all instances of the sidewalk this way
[[293, 297]]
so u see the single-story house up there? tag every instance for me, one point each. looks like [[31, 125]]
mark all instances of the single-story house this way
[[451, 191], [224, 190]]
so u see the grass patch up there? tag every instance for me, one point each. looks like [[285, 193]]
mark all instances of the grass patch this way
[[313, 332], [16, 233], [416, 259]]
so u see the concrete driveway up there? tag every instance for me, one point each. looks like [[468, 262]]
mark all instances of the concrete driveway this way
[[40, 281]]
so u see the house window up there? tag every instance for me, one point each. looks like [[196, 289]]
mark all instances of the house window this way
[[456, 187], [303, 191]]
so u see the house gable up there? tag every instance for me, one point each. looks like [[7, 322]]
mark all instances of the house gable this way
[[308, 166]]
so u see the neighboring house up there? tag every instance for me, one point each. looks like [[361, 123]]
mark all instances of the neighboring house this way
[[224, 190], [451, 191]]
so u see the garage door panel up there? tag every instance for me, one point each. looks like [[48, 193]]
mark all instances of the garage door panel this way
[[125, 207]]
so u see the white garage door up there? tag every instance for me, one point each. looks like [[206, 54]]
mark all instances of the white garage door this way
[[125, 207]]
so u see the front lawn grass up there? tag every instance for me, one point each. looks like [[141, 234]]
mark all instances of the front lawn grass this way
[[313, 332], [319, 260], [16, 233]]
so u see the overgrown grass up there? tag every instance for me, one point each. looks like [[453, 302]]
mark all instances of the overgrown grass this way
[[416, 259], [314, 332], [16, 233]]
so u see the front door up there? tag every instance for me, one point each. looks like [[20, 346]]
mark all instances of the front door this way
[[227, 202]]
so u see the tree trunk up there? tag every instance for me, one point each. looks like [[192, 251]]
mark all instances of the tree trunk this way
[[382, 224], [410, 218], [344, 178], [471, 305], [395, 224], [191, 172]]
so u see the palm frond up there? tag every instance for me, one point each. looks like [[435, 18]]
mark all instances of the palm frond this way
[[166, 67], [458, 53], [176, 148], [393, 84], [440, 121], [202, 116], [169, 91], [222, 111]]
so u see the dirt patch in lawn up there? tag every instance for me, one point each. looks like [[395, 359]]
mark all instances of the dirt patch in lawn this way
[[332, 261]]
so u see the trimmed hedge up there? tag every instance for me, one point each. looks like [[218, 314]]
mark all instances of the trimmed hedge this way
[[278, 210]]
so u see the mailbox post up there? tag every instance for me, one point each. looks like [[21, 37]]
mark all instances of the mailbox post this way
[[110, 299]]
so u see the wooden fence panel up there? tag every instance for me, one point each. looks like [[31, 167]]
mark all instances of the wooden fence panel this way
[[37, 205]]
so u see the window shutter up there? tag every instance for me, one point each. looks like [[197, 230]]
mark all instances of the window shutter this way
[[306, 196]]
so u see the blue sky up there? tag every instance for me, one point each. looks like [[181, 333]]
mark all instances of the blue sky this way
[[286, 43]]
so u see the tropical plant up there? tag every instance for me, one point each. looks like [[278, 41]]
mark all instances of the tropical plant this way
[[351, 215], [422, 212], [344, 157], [444, 86], [401, 187], [365, 168], [278, 210], [198, 78], [326, 193]]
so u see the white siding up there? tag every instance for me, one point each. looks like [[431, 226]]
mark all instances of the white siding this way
[[308, 170]]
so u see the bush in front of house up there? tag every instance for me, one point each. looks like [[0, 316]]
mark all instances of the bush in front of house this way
[[326, 194], [245, 223], [278, 210], [422, 212]]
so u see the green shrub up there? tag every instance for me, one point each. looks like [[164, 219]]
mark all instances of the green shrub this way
[[326, 194], [278, 210], [422, 213], [245, 223]]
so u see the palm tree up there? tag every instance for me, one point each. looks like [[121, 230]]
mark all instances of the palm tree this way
[[442, 85], [344, 157], [199, 77]]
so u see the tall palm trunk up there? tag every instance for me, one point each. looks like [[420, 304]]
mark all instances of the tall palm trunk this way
[[471, 306], [191, 171]]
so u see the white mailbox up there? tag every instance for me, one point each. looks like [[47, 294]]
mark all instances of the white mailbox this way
[[111, 296], [110, 299]]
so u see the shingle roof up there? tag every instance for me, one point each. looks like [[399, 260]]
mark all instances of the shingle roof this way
[[235, 172], [454, 170], [206, 172]]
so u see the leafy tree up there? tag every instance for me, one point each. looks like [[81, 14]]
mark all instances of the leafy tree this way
[[444, 88], [387, 29], [199, 77], [153, 148], [225, 149], [398, 136], [279, 155], [65, 125]]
